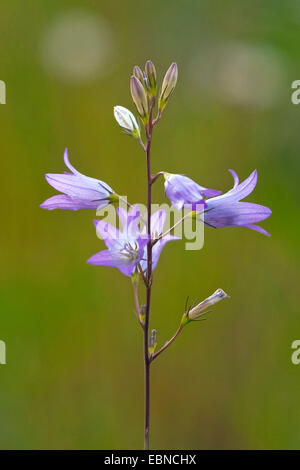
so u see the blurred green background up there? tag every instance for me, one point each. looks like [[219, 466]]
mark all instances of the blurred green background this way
[[74, 372]]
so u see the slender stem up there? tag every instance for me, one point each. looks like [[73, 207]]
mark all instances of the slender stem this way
[[157, 118], [142, 145], [142, 273], [168, 343], [147, 375], [147, 360], [155, 177], [136, 298]]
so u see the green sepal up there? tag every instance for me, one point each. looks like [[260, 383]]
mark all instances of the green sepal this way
[[114, 198], [135, 277], [185, 319]]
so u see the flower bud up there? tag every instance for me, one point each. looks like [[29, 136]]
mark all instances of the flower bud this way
[[213, 299], [152, 342], [127, 121], [151, 78], [168, 85], [139, 97], [143, 313], [137, 72]]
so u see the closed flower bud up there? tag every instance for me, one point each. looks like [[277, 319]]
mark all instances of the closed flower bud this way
[[137, 72], [139, 97], [151, 78], [143, 313], [127, 121], [168, 85], [213, 299], [152, 342]]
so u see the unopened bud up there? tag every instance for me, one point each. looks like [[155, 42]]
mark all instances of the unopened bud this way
[[127, 121], [152, 342], [213, 299], [143, 313], [151, 78], [168, 85], [139, 97], [137, 72]]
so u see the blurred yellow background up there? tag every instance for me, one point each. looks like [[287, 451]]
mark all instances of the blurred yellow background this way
[[74, 372]]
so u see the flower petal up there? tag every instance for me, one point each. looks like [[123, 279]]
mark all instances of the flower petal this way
[[127, 270], [68, 164], [182, 190], [73, 186], [107, 232], [93, 183], [258, 229], [235, 177], [239, 191], [61, 201], [237, 213], [210, 192], [130, 220], [156, 251], [104, 258], [157, 222]]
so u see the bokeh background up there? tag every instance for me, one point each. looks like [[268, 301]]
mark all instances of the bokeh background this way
[[74, 372]]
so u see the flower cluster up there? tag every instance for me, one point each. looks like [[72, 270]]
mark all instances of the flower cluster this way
[[126, 250], [221, 210]]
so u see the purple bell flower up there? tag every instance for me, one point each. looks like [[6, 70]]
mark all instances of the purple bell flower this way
[[79, 191], [182, 191], [227, 210], [127, 248]]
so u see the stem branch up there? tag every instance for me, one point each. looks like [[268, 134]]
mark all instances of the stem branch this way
[[168, 343], [172, 228]]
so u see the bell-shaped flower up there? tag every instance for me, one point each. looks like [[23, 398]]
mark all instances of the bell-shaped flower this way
[[79, 191], [125, 249], [182, 191], [227, 210], [128, 248], [157, 224], [127, 121]]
